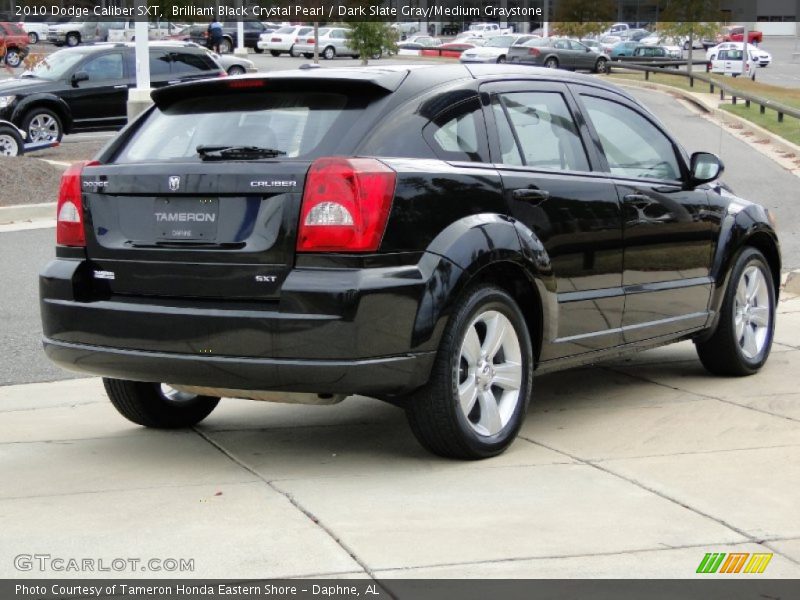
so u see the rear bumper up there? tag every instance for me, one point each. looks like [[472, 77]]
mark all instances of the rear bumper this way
[[341, 331], [386, 375]]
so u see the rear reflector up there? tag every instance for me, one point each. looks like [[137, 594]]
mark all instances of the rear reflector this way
[[69, 210], [276, 39], [534, 52], [346, 204]]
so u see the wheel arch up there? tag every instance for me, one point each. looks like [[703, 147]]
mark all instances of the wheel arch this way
[[49, 101], [487, 248]]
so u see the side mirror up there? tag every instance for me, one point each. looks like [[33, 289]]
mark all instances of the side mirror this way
[[705, 167], [78, 77]]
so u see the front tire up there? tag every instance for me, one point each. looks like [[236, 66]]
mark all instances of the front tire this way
[[11, 142], [601, 66], [743, 338], [274, 53], [13, 58], [73, 39], [225, 46], [551, 63], [157, 405], [501, 59], [236, 70], [292, 52], [33, 38], [476, 398], [42, 125]]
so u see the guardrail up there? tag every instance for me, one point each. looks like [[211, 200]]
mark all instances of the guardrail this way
[[714, 84]]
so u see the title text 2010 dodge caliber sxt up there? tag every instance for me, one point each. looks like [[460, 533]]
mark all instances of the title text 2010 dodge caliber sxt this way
[[430, 236]]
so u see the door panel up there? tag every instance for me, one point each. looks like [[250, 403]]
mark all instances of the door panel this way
[[550, 188], [102, 99], [667, 231]]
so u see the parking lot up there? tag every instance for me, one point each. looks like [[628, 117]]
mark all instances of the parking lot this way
[[634, 468]]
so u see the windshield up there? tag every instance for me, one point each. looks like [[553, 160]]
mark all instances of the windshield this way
[[501, 41], [56, 65], [293, 124]]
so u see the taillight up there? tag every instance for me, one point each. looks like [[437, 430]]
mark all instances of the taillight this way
[[276, 39], [534, 52], [346, 204], [69, 210], [310, 41]]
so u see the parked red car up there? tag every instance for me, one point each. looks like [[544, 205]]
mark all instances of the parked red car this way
[[736, 34], [13, 43]]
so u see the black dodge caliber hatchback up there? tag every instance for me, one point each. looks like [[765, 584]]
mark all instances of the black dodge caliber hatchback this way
[[430, 236]]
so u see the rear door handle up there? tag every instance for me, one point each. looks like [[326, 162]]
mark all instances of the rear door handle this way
[[530, 195]]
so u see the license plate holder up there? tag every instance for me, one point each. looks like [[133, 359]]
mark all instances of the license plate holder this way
[[186, 219]]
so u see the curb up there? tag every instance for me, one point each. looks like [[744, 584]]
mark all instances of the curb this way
[[27, 212], [792, 284], [705, 105]]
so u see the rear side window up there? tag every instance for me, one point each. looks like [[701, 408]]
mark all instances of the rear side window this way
[[300, 124], [185, 63], [545, 130], [159, 64]]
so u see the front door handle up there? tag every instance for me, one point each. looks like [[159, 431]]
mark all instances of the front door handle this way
[[639, 200], [530, 195], [121, 87]]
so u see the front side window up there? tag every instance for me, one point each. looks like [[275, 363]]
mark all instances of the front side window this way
[[547, 134], [633, 146], [104, 68]]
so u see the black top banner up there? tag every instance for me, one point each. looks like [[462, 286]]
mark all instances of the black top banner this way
[[329, 11]]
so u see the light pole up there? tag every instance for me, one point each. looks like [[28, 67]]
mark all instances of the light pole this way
[[139, 96]]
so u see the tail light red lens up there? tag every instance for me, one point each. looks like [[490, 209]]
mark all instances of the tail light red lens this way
[[534, 52], [276, 39], [346, 204], [310, 41], [69, 209]]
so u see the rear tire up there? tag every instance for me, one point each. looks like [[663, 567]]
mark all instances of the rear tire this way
[[33, 38], [551, 63], [601, 66], [501, 60], [13, 58], [149, 405], [476, 398], [329, 53], [275, 52], [308, 55], [73, 39], [42, 125], [742, 341]]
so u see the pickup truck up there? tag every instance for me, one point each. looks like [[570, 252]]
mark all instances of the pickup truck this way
[[736, 34], [486, 30], [729, 62], [79, 30], [156, 31], [651, 54]]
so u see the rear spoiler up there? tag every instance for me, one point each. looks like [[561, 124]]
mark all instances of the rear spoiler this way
[[378, 79]]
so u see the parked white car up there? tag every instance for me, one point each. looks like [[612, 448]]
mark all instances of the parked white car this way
[[282, 40], [762, 57], [333, 42], [729, 62], [494, 50]]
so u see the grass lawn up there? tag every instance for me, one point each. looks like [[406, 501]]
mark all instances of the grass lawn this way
[[789, 129]]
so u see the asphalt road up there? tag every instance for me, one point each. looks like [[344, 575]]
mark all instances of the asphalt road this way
[[749, 173]]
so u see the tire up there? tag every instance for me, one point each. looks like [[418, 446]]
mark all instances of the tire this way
[[501, 59], [292, 52], [73, 39], [551, 63], [33, 38], [686, 45], [308, 55], [329, 53], [11, 142], [156, 405], [601, 66], [236, 70], [435, 411], [743, 338], [377, 55], [42, 125], [13, 58], [225, 46], [274, 53], [258, 50]]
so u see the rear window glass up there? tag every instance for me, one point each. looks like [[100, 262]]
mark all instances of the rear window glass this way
[[304, 125]]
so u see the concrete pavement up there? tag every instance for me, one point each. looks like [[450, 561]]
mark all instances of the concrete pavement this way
[[635, 468]]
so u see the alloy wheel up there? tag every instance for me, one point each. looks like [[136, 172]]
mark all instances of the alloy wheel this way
[[489, 373], [752, 312], [173, 395], [43, 128], [8, 145]]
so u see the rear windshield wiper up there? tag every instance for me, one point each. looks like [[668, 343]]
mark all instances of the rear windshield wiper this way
[[236, 152]]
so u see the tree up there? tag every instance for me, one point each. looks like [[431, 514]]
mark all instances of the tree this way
[[690, 19], [371, 39], [583, 18]]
